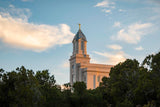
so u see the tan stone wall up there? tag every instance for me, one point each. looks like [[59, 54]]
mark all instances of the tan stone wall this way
[[90, 81]]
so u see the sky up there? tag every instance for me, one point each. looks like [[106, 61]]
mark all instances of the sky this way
[[38, 34]]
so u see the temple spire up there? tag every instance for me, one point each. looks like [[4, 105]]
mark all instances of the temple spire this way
[[79, 35], [79, 26]]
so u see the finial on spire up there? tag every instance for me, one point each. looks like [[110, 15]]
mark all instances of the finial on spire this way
[[79, 26]]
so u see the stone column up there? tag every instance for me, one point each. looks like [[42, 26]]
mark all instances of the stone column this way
[[71, 82], [85, 47], [79, 47]]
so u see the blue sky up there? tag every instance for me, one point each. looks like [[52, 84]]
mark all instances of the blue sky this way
[[38, 33]]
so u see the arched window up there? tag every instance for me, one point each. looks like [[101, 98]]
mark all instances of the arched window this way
[[82, 45], [94, 81]]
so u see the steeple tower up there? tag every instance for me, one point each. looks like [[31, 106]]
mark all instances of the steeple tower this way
[[79, 56], [79, 43], [80, 67]]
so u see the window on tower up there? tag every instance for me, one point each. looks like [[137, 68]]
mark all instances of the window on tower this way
[[82, 45], [94, 81], [98, 79], [76, 46], [72, 66]]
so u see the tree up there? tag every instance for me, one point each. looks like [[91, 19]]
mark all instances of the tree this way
[[79, 88], [23, 88], [152, 62]]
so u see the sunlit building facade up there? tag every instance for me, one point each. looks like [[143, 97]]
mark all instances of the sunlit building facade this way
[[80, 67]]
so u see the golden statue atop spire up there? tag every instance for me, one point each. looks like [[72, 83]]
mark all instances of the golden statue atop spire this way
[[79, 26]]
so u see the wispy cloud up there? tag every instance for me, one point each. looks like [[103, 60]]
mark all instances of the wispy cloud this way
[[106, 11], [121, 10], [16, 13], [140, 48], [113, 57], [105, 3], [133, 33], [117, 24], [156, 16], [16, 31], [115, 47], [66, 64]]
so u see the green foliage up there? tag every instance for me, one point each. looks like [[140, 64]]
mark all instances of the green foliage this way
[[79, 88], [130, 84], [125, 103], [67, 85], [24, 88]]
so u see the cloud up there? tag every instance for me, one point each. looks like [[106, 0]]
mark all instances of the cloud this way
[[17, 32], [115, 47], [94, 61], [156, 15], [140, 48], [106, 11], [18, 13], [133, 33], [108, 5], [66, 64], [105, 3], [117, 24], [121, 10], [112, 57]]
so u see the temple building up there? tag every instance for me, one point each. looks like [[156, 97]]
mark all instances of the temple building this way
[[80, 67]]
